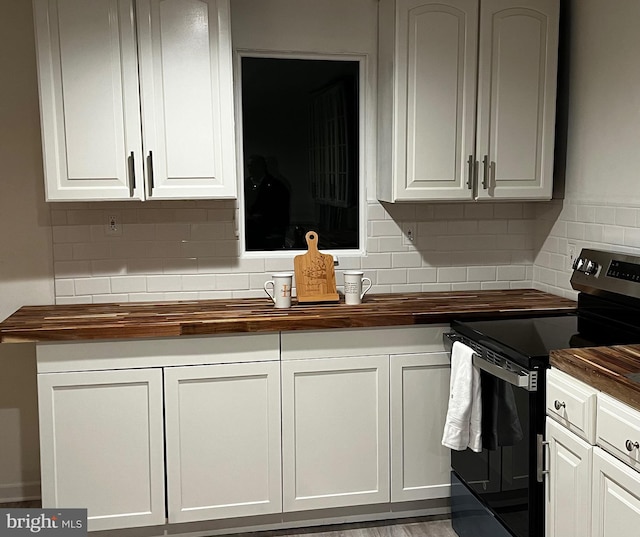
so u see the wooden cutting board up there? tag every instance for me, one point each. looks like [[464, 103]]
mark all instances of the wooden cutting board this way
[[315, 276]]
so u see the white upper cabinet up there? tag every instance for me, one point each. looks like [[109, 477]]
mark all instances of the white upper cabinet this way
[[428, 98], [518, 58], [136, 99], [467, 99]]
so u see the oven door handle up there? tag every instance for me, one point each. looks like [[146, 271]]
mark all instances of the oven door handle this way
[[520, 381]]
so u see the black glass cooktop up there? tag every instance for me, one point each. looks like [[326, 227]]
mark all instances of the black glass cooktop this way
[[524, 339]]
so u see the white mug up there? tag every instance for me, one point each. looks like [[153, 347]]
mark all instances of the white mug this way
[[354, 286], [281, 285]]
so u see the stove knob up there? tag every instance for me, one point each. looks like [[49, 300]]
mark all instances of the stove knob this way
[[578, 262], [590, 268]]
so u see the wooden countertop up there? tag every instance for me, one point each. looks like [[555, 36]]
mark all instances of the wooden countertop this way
[[170, 319], [604, 368]]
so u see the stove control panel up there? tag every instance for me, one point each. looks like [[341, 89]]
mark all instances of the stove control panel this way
[[624, 271], [598, 271]]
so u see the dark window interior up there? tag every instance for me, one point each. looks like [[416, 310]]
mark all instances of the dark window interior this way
[[301, 152]]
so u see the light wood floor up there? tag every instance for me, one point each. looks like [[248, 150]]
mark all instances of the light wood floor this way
[[428, 527], [419, 528]]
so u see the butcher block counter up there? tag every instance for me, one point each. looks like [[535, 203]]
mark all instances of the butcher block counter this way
[[189, 318], [613, 370]]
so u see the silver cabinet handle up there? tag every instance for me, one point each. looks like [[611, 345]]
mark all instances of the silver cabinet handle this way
[[558, 405], [150, 171], [132, 174], [631, 445], [540, 470], [470, 163], [485, 175]]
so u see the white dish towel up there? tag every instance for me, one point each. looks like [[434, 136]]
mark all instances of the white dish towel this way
[[462, 428]]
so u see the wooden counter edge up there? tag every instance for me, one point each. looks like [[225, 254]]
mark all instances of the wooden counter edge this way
[[596, 375]]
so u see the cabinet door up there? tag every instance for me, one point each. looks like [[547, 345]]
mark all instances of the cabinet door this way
[[517, 74], [223, 440], [435, 62], [420, 464], [568, 490], [335, 432], [615, 506], [187, 98], [102, 447], [89, 100]]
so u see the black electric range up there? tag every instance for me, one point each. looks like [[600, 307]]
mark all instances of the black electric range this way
[[499, 491]]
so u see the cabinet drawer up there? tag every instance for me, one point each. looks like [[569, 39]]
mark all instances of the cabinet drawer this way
[[619, 430], [572, 403]]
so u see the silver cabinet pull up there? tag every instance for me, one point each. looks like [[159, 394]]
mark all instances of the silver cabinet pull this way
[[540, 470], [470, 163], [132, 174], [485, 175], [558, 405], [150, 171], [631, 445]]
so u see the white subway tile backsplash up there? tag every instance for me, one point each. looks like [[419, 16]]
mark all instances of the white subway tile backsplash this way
[[509, 273], [391, 276], [481, 273], [479, 211], [63, 252], [391, 244], [448, 211], [146, 297], [406, 260], [92, 286], [593, 232], [232, 281], [422, 275], [465, 286], [376, 261], [180, 265], [159, 284], [177, 249], [66, 300], [452, 274], [632, 237], [65, 287], [108, 267], [105, 299], [436, 287], [128, 284], [586, 213], [198, 282], [71, 269], [508, 210], [138, 232], [626, 216], [384, 228], [462, 227], [605, 215], [494, 286], [405, 288]]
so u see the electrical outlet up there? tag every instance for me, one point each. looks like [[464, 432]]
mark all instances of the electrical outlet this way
[[571, 255], [409, 233], [113, 227]]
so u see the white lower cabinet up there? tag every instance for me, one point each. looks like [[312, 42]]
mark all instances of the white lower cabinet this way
[[616, 497], [420, 465], [239, 426], [335, 432], [568, 489], [102, 445], [589, 491], [223, 440]]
